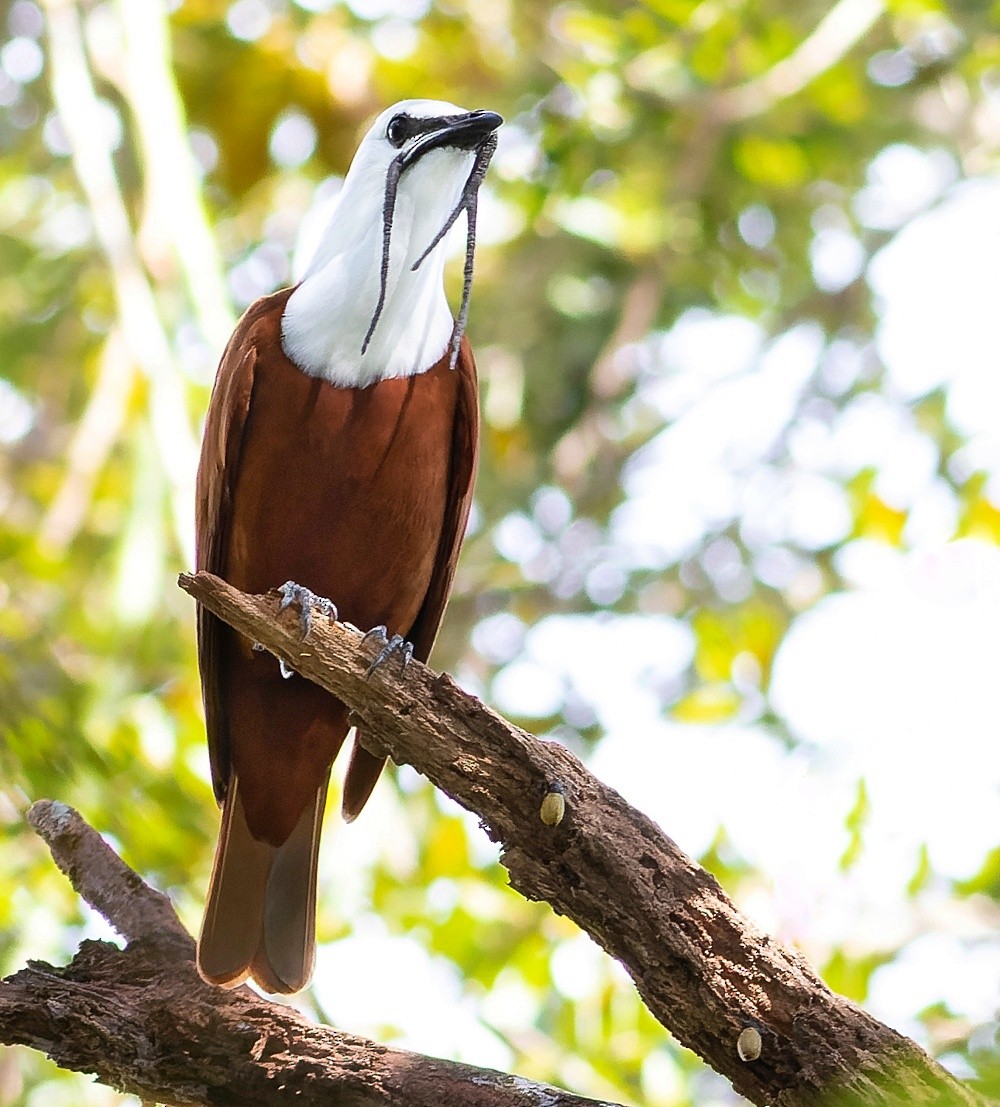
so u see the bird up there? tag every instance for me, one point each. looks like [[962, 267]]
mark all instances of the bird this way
[[339, 455]]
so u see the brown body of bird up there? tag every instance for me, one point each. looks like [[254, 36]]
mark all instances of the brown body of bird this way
[[339, 452]]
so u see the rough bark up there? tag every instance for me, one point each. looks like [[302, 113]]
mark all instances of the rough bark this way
[[702, 969], [144, 1021]]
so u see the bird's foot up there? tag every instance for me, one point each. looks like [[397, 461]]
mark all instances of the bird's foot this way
[[396, 644], [297, 593]]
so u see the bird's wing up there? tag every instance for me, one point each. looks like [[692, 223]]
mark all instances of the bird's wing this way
[[464, 459], [218, 469]]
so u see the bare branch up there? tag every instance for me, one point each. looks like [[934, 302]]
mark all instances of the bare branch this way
[[81, 115], [839, 31], [95, 435], [639, 307], [703, 970], [145, 1022], [175, 217], [100, 876]]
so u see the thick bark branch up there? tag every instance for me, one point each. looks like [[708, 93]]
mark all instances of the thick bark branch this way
[[144, 1021], [703, 970]]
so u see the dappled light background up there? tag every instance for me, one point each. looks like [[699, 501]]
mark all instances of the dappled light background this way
[[737, 531]]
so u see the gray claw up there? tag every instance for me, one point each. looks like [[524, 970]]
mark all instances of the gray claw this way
[[396, 644], [297, 593]]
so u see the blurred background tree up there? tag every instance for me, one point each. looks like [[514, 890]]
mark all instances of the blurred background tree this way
[[737, 522]]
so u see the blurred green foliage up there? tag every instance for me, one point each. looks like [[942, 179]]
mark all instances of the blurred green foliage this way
[[658, 157]]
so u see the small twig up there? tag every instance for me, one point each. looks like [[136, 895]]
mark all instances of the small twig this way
[[100, 876]]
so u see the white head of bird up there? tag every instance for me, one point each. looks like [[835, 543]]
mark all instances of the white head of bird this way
[[370, 305]]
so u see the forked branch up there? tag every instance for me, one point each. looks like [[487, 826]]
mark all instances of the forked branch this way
[[144, 1021], [754, 1011]]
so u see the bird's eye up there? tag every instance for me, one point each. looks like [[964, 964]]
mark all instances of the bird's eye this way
[[396, 131]]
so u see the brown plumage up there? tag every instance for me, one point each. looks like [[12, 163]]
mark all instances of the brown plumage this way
[[339, 453], [360, 494]]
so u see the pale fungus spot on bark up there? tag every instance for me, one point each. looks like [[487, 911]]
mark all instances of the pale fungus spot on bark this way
[[748, 1044], [553, 805]]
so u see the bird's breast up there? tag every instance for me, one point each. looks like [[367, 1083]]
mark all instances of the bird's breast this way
[[344, 489]]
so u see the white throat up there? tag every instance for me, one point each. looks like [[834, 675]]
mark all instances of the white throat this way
[[327, 317]]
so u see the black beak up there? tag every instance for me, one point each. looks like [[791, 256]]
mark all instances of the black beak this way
[[455, 132], [473, 130]]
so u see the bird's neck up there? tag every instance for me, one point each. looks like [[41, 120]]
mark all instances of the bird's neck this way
[[328, 315]]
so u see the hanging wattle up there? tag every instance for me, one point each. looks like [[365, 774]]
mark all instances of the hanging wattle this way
[[352, 475]]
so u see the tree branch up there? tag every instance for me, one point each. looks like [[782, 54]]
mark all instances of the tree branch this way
[[145, 1022], [704, 971], [81, 115], [174, 218], [101, 877], [95, 435], [840, 30]]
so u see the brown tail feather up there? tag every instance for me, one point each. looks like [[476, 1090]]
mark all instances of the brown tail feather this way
[[261, 913], [363, 771], [288, 948], [231, 927]]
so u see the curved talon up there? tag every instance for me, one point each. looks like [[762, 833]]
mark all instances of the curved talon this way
[[396, 644], [297, 593]]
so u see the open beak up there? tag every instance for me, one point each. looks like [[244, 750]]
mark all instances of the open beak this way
[[455, 132]]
